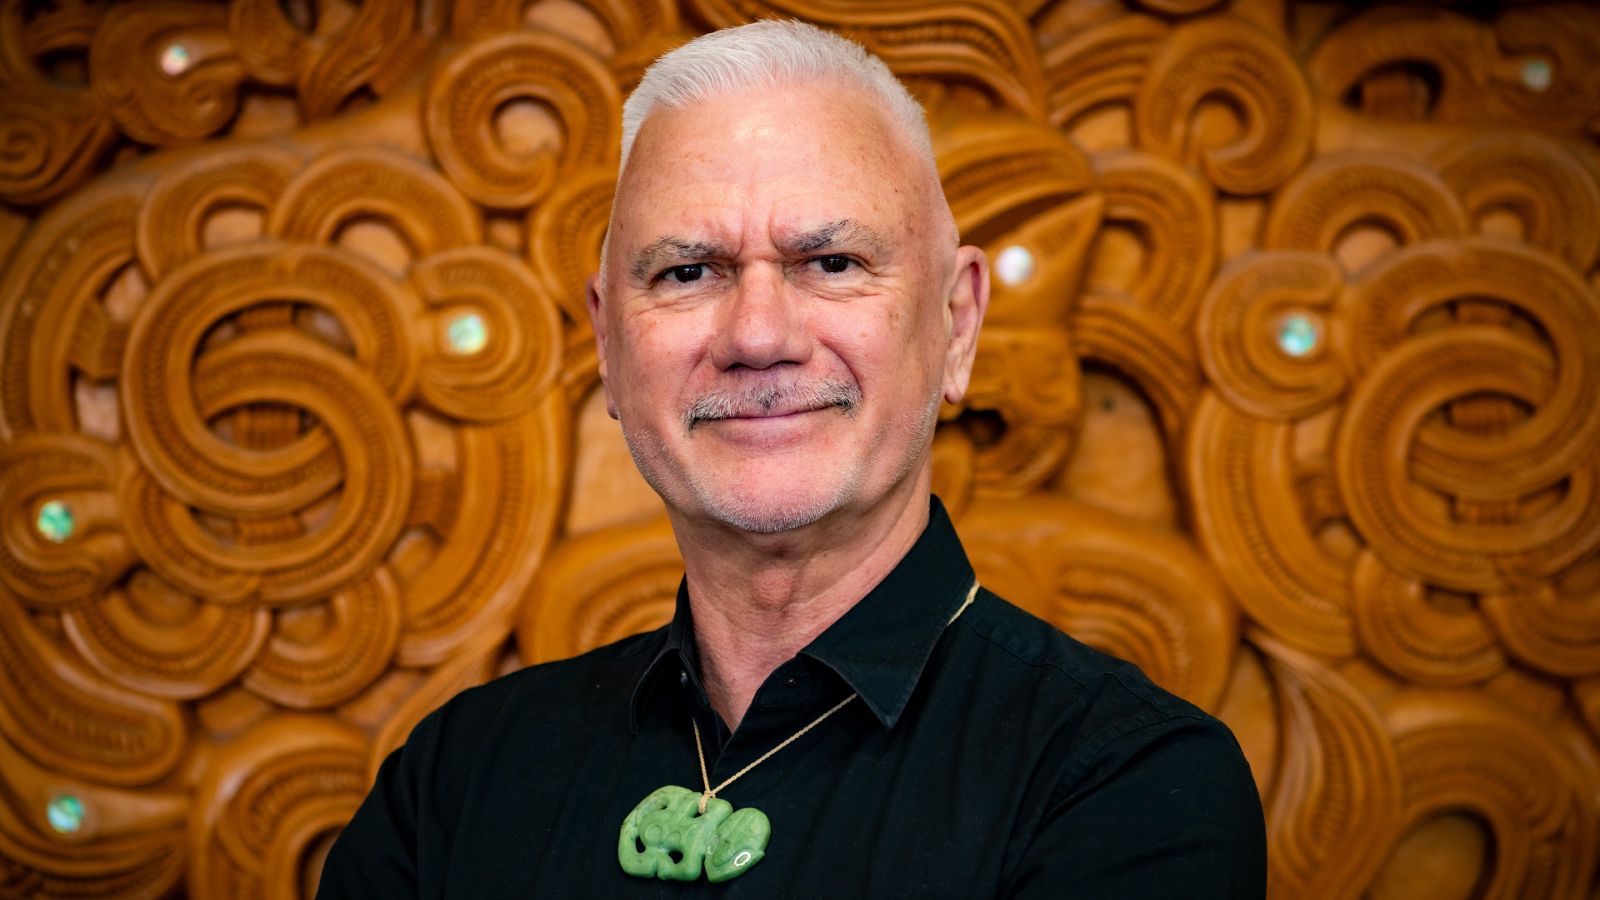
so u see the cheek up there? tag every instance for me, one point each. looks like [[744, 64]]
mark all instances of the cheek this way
[[894, 349], [657, 360]]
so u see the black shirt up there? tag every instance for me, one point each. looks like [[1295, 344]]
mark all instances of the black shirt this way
[[994, 756]]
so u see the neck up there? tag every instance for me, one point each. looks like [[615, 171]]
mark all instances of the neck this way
[[758, 599]]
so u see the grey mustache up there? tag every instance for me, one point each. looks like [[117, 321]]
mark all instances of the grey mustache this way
[[764, 399]]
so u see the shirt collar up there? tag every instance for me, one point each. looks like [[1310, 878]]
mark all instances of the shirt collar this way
[[880, 646]]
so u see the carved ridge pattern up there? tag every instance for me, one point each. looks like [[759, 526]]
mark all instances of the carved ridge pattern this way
[[175, 443], [345, 184], [32, 470], [1287, 392], [1336, 752], [565, 234], [625, 594], [1336, 192], [136, 866], [464, 93], [1462, 750], [1546, 630], [984, 178], [1450, 43], [519, 363], [1429, 274], [350, 653], [1147, 350], [54, 135], [1236, 341], [1100, 64], [985, 40], [375, 493], [1425, 645], [516, 469], [297, 778], [56, 710], [1265, 86], [1549, 187], [153, 109], [1239, 472], [1173, 210], [87, 239], [114, 638], [1420, 375], [174, 212]]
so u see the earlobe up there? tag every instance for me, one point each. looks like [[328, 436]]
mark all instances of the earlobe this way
[[597, 322], [964, 311]]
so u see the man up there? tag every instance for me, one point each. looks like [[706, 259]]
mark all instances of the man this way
[[837, 709]]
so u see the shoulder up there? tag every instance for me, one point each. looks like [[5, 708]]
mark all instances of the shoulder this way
[[1028, 642], [1099, 706], [1132, 786]]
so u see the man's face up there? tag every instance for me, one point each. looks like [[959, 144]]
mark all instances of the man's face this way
[[774, 320]]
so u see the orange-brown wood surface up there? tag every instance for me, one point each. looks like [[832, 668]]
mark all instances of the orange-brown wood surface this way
[[1290, 392]]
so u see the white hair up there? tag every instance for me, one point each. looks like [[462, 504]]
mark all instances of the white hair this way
[[766, 55]]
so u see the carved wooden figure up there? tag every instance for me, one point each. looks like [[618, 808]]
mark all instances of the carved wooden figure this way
[[1290, 393]]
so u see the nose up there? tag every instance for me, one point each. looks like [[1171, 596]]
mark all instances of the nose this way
[[761, 323]]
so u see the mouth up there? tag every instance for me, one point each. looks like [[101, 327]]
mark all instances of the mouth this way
[[773, 402]]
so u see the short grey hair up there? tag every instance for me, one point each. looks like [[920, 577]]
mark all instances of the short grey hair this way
[[765, 55]]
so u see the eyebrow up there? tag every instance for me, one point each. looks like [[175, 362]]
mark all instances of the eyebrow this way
[[833, 234], [658, 253], [664, 250]]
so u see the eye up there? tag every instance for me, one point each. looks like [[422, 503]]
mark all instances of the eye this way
[[683, 274], [833, 264]]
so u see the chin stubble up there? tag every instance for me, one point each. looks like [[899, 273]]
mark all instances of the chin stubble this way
[[757, 514]]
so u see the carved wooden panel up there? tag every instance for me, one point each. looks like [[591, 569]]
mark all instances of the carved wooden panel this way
[[1290, 392]]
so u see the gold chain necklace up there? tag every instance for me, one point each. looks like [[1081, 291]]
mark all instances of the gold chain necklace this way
[[673, 833]]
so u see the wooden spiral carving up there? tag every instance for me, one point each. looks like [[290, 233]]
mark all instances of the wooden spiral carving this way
[[1290, 392]]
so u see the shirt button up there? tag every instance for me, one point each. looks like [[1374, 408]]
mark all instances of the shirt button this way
[[790, 680], [683, 677]]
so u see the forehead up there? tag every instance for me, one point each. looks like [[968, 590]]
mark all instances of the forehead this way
[[794, 157]]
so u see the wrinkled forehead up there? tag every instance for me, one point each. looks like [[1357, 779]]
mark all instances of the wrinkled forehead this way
[[845, 100], [816, 152]]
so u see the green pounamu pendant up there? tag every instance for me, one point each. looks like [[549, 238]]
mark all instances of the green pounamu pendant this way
[[667, 837]]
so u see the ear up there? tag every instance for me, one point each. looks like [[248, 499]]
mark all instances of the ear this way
[[597, 322], [964, 308]]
